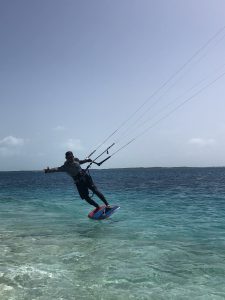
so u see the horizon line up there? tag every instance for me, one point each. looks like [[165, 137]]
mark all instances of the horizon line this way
[[121, 168]]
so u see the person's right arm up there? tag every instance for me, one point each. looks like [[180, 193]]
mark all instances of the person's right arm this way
[[52, 170]]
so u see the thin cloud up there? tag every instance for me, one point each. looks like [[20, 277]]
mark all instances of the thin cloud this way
[[10, 145], [73, 144], [59, 128], [11, 141], [200, 142]]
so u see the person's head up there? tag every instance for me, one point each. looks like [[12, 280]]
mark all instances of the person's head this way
[[69, 156]]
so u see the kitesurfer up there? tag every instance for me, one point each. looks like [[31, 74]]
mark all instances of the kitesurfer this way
[[81, 178]]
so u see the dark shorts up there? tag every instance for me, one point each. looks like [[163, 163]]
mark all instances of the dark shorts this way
[[85, 183]]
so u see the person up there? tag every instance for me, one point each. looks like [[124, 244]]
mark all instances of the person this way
[[82, 179]]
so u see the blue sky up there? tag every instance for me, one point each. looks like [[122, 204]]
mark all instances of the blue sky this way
[[73, 71]]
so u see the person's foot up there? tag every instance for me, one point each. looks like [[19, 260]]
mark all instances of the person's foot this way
[[107, 208]]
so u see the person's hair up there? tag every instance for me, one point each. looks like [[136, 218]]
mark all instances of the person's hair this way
[[68, 153]]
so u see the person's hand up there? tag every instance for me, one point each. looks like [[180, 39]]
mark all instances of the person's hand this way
[[46, 170]]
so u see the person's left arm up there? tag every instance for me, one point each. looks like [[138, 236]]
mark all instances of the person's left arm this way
[[84, 161]]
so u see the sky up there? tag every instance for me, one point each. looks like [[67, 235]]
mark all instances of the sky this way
[[74, 72]]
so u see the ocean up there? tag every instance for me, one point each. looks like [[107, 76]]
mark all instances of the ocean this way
[[167, 241]]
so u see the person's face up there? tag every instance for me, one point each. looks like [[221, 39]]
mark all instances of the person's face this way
[[70, 157]]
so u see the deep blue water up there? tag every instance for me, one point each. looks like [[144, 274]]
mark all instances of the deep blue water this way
[[166, 242]]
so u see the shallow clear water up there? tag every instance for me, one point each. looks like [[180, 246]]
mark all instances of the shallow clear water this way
[[166, 242]]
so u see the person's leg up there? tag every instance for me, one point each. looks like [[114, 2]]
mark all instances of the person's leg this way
[[91, 201], [94, 189], [99, 194], [84, 193]]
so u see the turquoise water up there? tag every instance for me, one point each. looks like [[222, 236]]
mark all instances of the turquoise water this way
[[166, 242]]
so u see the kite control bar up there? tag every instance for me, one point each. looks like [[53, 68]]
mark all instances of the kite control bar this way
[[99, 164]]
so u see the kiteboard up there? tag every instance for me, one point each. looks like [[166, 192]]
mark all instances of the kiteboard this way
[[103, 212]]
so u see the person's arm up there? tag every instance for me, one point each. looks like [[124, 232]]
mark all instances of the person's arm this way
[[83, 161], [53, 170], [88, 160]]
